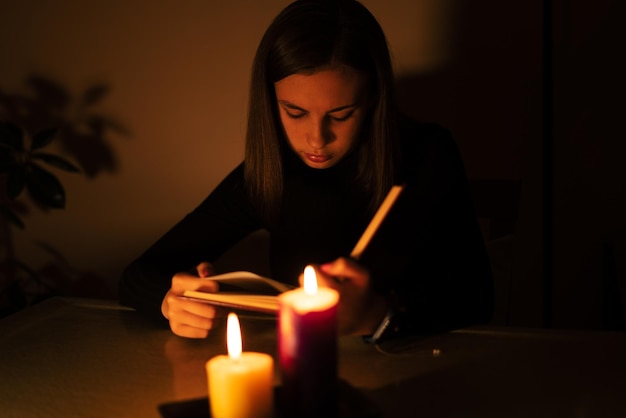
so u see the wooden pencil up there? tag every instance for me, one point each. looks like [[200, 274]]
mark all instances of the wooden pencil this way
[[378, 218]]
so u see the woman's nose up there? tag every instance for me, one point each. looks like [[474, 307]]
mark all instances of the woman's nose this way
[[319, 133]]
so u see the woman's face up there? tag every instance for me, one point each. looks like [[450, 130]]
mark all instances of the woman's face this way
[[322, 113]]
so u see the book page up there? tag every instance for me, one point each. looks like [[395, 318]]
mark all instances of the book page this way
[[248, 282], [242, 290], [258, 303]]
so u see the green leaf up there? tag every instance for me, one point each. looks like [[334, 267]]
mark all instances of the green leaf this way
[[10, 216], [11, 136], [43, 138], [7, 161], [55, 161], [45, 188], [16, 296], [15, 182], [56, 96], [95, 93]]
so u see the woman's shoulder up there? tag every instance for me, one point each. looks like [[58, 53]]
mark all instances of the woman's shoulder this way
[[235, 177], [412, 132], [427, 147], [420, 139], [230, 187]]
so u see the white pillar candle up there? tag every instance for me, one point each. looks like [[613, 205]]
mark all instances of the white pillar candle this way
[[240, 383]]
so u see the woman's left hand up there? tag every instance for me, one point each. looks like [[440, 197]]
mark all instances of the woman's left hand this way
[[360, 308]]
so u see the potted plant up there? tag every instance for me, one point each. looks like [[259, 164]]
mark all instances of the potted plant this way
[[80, 131], [24, 167]]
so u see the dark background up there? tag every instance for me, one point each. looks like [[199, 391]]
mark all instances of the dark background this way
[[532, 91]]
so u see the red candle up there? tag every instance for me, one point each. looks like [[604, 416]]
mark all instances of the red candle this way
[[307, 346]]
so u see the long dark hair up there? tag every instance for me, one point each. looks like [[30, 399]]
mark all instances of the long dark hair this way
[[306, 36]]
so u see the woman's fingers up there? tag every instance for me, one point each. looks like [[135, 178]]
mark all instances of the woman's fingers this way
[[205, 269], [183, 281], [189, 318], [187, 331], [346, 269]]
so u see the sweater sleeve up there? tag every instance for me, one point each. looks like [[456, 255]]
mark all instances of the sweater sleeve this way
[[429, 255], [219, 222]]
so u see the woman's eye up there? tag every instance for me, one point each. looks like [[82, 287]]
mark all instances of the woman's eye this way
[[295, 115], [342, 118]]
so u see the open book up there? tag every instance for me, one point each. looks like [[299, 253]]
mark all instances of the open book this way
[[248, 291], [242, 290]]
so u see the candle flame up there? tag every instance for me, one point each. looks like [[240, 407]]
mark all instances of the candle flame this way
[[233, 336], [310, 281]]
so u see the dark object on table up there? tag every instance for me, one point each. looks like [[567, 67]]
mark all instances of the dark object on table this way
[[352, 404]]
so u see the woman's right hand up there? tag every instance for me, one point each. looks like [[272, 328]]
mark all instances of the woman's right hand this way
[[189, 318]]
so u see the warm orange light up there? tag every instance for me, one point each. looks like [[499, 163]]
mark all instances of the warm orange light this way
[[310, 281], [233, 336]]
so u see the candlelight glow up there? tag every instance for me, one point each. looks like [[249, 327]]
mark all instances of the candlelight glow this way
[[233, 336], [310, 281]]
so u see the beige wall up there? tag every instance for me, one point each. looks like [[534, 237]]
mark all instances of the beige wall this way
[[178, 73]]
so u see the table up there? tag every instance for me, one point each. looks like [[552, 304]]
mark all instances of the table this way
[[89, 358]]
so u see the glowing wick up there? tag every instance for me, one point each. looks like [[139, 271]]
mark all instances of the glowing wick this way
[[310, 281]]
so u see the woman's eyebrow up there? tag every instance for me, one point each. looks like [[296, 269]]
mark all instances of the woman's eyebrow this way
[[295, 107], [340, 108], [290, 105]]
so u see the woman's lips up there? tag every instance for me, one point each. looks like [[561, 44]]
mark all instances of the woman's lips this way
[[317, 158]]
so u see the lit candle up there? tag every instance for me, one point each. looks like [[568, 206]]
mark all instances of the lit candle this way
[[240, 384], [307, 345]]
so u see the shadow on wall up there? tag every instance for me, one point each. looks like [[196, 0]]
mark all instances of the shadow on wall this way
[[489, 95], [489, 90], [84, 137], [84, 131], [590, 174]]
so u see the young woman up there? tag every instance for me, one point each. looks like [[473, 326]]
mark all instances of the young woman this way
[[324, 145]]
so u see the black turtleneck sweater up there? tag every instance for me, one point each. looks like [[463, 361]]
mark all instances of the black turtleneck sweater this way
[[428, 253]]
